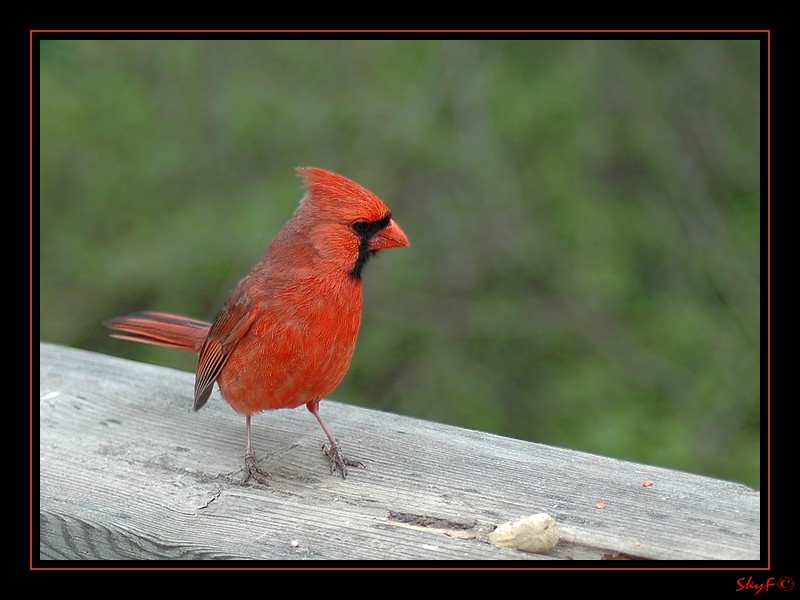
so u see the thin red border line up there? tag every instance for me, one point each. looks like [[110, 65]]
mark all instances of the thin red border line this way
[[769, 345], [376, 569], [30, 188], [643, 569], [767, 31], [30, 287], [30, 281]]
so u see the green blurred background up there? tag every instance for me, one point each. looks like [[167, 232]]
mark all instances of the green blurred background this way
[[584, 218]]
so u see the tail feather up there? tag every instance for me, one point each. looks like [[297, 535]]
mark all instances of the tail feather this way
[[161, 329]]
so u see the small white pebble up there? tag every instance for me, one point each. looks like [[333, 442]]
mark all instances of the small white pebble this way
[[429, 547], [295, 544], [51, 395]]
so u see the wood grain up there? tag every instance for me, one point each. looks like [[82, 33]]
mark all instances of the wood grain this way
[[128, 471]]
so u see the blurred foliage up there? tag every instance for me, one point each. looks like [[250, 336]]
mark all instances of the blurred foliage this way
[[584, 219]]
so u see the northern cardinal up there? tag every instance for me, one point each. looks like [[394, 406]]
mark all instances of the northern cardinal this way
[[287, 332]]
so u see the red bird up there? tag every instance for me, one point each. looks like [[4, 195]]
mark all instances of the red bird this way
[[287, 332]]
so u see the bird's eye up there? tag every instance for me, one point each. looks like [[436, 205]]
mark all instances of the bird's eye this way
[[362, 227]]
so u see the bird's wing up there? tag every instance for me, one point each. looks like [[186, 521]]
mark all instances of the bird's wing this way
[[232, 322]]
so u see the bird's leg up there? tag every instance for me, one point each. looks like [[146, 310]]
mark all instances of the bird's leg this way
[[251, 468], [334, 453]]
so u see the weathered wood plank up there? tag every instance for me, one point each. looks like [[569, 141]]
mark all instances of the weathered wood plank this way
[[127, 471]]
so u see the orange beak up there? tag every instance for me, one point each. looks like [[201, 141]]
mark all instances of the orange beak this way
[[390, 236]]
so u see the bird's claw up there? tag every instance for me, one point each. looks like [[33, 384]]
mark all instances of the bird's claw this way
[[253, 471], [340, 462]]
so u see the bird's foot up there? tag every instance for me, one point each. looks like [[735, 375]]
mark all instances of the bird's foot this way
[[253, 471], [340, 462]]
